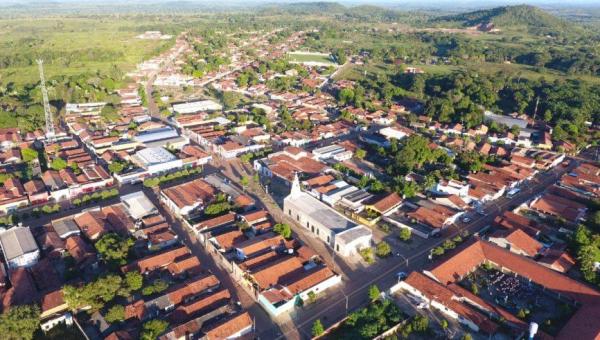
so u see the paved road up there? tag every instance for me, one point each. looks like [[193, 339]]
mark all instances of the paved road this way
[[353, 295]]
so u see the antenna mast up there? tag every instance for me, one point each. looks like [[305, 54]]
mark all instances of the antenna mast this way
[[48, 113]]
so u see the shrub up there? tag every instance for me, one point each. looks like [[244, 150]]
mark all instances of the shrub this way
[[448, 244], [312, 297], [374, 292], [367, 255], [317, 328], [383, 249], [438, 251], [405, 234]]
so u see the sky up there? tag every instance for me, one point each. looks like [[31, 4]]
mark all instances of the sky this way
[[451, 5]]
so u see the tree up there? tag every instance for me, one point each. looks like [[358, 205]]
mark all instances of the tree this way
[[115, 313], [374, 293], [317, 328], [360, 153], [20, 322], [405, 234], [134, 280], [114, 249], [230, 99], [244, 181], [383, 249], [153, 328], [58, 164], [420, 323], [28, 154], [467, 336], [284, 230], [94, 294], [116, 167]]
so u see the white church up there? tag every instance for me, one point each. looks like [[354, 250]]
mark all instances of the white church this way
[[343, 235]]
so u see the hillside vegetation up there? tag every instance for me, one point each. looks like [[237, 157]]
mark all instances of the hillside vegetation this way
[[535, 20]]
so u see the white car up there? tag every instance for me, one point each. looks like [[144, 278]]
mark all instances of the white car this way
[[466, 219]]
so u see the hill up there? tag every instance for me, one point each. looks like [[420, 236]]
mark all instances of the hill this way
[[534, 19]]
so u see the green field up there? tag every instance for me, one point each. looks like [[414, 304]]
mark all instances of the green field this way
[[309, 57], [72, 46]]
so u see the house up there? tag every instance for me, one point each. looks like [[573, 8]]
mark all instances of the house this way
[[235, 146], [156, 261], [194, 156], [65, 227], [238, 326], [36, 191], [559, 207], [510, 221], [184, 198], [517, 241], [9, 138], [19, 247], [341, 234], [284, 164], [12, 196], [397, 132], [424, 218], [336, 152], [584, 180], [451, 187], [81, 252]]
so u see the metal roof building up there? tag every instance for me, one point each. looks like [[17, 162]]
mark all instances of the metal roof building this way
[[19, 247]]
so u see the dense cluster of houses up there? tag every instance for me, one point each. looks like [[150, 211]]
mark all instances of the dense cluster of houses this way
[[40, 261], [276, 269]]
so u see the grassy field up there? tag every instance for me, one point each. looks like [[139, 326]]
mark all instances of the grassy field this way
[[66, 37], [309, 57]]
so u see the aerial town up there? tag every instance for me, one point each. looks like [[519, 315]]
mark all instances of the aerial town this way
[[240, 186]]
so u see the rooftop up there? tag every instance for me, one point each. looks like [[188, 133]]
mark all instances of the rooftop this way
[[16, 242]]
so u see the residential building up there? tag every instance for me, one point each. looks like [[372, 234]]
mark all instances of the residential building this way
[[185, 198], [19, 247]]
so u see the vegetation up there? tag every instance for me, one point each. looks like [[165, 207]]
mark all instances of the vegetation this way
[[374, 293], [405, 234], [153, 328], [114, 249], [94, 294], [368, 322], [367, 255], [284, 230], [383, 249], [317, 328], [20, 322], [115, 313]]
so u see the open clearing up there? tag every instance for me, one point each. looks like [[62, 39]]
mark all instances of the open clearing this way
[[305, 58]]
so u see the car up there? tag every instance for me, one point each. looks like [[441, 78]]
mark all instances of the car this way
[[401, 276], [466, 219]]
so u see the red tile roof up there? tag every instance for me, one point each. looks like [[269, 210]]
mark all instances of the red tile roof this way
[[229, 327]]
